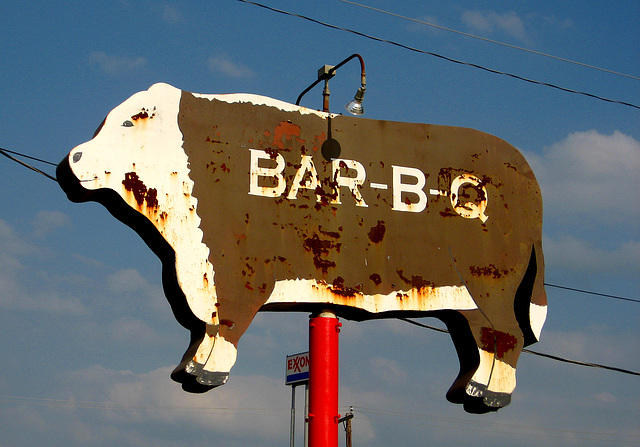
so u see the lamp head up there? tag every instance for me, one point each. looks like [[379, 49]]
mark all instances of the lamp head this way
[[355, 106]]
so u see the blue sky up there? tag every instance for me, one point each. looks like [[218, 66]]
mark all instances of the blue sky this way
[[87, 339]]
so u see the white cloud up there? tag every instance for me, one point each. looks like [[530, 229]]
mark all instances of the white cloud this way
[[222, 64], [47, 222], [492, 22], [251, 405], [114, 65], [129, 330], [131, 282], [569, 253], [171, 15], [16, 278], [11, 243], [126, 281], [425, 27], [597, 344], [606, 397], [388, 370], [550, 21], [590, 175]]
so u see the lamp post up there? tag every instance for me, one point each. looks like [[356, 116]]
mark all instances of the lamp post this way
[[323, 417], [325, 73]]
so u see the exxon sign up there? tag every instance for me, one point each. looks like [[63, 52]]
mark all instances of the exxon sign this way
[[297, 368]]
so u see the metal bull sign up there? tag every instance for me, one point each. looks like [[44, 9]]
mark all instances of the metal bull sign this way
[[255, 204]]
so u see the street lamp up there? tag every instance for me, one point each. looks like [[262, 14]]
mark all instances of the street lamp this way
[[327, 72]]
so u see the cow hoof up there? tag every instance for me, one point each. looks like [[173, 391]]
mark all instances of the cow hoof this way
[[212, 378], [203, 377], [491, 399]]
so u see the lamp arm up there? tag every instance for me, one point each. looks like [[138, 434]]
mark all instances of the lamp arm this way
[[331, 73]]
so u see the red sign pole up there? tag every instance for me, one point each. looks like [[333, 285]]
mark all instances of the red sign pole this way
[[323, 380]]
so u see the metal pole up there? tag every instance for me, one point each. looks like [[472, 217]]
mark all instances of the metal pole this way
[[323, 380], [306, 412], [292, 433], [325, 96]]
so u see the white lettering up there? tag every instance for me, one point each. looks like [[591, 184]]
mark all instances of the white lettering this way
[[408, 185], [413, 188], [275, 173], [469, 210], [353, 183], [299, 179]]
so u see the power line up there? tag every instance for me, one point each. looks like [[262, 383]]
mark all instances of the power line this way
[[481, 425], [528, 351], [26, 165], [515, 47], [29, 157], [6, 152], [592, 293], [93, 405], [455, 61]]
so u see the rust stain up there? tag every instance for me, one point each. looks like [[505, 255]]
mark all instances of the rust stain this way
[[376, 234], [273, 153], [338, 288], [228, 323], [416, 281], [496, 342], [375, 278], [333, 234], [319, 248], [285, 131], [143, 115], [490, 271], [448, 212], [133, 184], [318, 140]]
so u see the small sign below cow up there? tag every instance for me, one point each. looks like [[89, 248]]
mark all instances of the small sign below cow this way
[[297, 369]]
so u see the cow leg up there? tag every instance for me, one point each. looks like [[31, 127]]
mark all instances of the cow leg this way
[[498, 350], [494, 381], [487, 361]]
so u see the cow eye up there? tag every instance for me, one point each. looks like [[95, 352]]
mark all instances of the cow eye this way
[[127, 123]]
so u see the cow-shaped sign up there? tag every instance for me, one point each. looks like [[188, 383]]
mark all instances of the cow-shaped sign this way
[[255, 204]]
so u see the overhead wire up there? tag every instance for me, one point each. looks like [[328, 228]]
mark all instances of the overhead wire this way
[[417, 50], [515, 47], [26, 165], [371, 413], [93, 405], [606, 295], [6, 153], [528, 351], [481, 425]]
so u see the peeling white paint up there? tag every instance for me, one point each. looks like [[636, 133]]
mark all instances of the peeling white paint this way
[[537, 317], [264, 100], [430, 298]]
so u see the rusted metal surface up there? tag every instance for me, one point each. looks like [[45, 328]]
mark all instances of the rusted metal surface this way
[[411, 219]]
